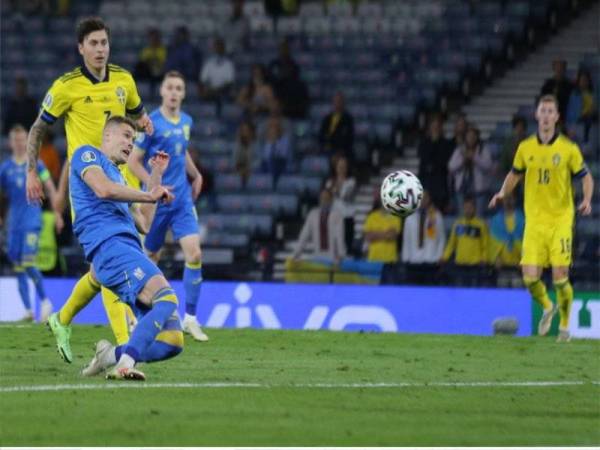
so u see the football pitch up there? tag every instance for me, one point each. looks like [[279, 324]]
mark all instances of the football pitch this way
[[306, 388]]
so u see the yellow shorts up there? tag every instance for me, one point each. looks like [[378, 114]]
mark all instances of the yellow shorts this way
[[547, 245]]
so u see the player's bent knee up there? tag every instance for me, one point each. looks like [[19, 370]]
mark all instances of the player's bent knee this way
[[172, 337], [530, 281]]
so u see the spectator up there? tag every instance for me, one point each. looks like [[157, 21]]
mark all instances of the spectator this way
[[423, 242], [506, 235], [237, 36], [460, 130], [256, 98], [289, 88], [381, 231], [434, 153], [217, 76], [343, 187], [581, 107], [275, 112], [21, 108], [323, 231], [470, 168], [277, 154], [151, 63], [337, 130], [468, 244], [511, 143], [559, 86], [245, 152], [49, 155], [182, 55]]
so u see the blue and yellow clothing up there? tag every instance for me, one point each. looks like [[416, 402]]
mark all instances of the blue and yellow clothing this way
[[506, 237], [87, 102], [468, 242], [95, 220], [180, 216]]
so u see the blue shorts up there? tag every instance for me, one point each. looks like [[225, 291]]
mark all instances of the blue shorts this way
[[23, 247], [183, 221], [121, 265]]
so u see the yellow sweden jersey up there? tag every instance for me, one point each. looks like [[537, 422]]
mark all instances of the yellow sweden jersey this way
[[86, 103], [548, 171]]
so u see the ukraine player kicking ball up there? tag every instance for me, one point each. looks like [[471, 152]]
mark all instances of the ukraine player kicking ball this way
[[549, 161], [25, 221], [86, 97], [172, 135], [105, 225]]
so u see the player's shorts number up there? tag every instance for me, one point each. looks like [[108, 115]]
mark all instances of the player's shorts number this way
[[543, 176]]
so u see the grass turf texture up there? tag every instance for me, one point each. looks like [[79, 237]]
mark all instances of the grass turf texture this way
[[284, 414]]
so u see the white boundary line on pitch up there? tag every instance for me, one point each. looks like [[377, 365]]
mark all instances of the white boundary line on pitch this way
[[93, 387]]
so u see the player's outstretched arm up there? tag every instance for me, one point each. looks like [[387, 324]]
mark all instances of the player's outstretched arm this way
[[144, 214], [510, 182], [33, 185], [104, 188], [136, 165], [55, 202], [585, 207]]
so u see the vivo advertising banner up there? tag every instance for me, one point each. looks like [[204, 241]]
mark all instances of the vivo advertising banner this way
[[328, 307]]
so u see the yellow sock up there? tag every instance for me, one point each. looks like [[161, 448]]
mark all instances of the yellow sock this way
[[564, 298], [83, 293], [116, 312], [537, 289]]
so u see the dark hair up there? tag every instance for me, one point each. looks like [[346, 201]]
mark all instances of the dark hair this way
[[518, 119], [548, 98], [174, 74], [118, 120], [89, 25], [583, 72]]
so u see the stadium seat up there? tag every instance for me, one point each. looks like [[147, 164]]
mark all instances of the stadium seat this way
[[315, 165], [259, 182], [228, 183], [234, 203]]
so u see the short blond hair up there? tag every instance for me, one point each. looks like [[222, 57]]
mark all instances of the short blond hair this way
[[548, 98]]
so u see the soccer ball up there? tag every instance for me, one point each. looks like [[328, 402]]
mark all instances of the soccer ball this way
[[401, 193]]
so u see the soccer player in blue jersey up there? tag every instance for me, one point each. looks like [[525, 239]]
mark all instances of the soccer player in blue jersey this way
[[106, 220], [172, 134], [25, 220]]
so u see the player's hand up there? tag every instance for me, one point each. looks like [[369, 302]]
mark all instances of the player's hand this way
[[145, 123], [160, 161], [497, 198], [59, 223], [585, 208], [35, 193], [162, 194], [197, 187]]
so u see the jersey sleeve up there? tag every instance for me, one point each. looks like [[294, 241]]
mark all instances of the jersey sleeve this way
[[134, 103], [143, 142], [42, 171], [83, 159], [519, 161], [576, 163], [56, 102]]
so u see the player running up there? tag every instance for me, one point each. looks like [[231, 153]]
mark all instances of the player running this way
[[105, 225], [549, 161], [86, 97], [25, 220], [172, 135]]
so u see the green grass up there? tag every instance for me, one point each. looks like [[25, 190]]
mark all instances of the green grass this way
[[287, 410]]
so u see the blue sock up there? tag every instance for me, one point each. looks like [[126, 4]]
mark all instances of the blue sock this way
[[159, 351], [23, 289], [164, 305], [192, 281], [38, 280]]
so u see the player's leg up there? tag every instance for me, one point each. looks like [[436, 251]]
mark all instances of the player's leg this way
[[185, 229], [60, 323], [28, 257], [561, 258], [14, 251], [24, 292], [117, 313]]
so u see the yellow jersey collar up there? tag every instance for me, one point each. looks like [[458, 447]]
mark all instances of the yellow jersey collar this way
[[537, 135], [86, 73]]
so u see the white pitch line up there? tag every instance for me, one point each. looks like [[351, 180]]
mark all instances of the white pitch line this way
[[443, 384]]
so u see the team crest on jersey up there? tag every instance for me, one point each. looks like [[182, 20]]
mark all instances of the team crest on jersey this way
[[48, 101], [186, 132], [139, 273], [121, 94], [556, 159], [88, 157]]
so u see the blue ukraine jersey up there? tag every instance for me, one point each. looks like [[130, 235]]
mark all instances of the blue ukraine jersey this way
[[94, 219], [22, 216], [172, 138]]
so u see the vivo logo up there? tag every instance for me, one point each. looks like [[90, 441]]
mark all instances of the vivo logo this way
[[319, 317]]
